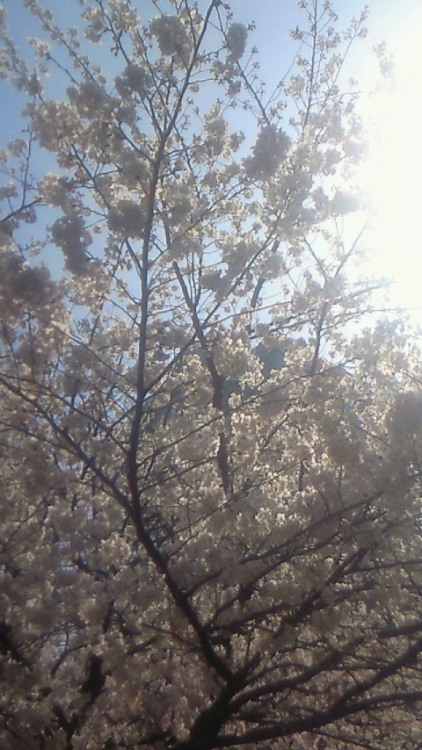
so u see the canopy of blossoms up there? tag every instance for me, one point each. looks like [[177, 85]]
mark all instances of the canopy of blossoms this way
[[211, 441]]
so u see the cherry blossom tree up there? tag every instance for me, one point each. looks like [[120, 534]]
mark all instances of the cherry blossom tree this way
[[211, 442]]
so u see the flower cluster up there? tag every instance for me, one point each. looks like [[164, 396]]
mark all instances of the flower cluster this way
[[127, 219], [69, 233], [133, 80], [54, 190], [343, 203], [89, 98], [236, 38], [270, 149], [210, 486], [171, 37]]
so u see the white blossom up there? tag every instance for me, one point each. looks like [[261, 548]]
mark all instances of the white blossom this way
[[134, 79], [405, 418], [269, 151], [236, 37], [343, 203], [171, 36], [210, 441], [89, 97], [54, 189], [69, 233], [127, 218], [96, 24]]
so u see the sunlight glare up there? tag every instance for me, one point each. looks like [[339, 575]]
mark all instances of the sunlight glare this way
[[392, 174]]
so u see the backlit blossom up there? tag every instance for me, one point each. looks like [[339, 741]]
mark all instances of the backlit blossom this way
[[343, 203], [54, 189], [236, 40], [69, 233], [134, 79], [171, 36], [210, 441], [127, 219], [270, 149]]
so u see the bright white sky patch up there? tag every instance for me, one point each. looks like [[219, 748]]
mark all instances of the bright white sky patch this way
[[392, 174]]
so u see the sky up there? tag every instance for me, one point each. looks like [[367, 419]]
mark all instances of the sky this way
[[390, 177]]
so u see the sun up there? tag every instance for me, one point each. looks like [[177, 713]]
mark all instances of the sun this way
[[391, 175]]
